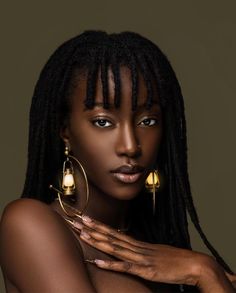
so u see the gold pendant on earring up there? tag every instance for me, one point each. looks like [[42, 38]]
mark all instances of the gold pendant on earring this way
[[152, 184], [68, 187], [68, 181]]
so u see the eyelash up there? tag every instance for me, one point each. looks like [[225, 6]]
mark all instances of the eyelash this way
[[96, 122], [99, 120], [149, 119]]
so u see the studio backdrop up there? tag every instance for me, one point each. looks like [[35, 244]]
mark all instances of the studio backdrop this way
[[199, 39]]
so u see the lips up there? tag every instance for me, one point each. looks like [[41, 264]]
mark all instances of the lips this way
[[128, 173]]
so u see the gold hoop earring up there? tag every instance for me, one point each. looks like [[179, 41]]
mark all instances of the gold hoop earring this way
[[68, 185], [152, 184]]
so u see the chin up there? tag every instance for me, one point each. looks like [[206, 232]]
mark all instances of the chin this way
[[125, 193]]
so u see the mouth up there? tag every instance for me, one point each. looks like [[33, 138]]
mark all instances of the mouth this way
[[127, 178], [128, 173]]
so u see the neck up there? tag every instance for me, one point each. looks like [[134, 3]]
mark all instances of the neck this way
[[108, 210], [102, 207]]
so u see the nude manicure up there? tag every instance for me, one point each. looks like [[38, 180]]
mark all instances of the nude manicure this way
[[99, 262], [90, 260], [86, 219], [85, 235], [77, 225]]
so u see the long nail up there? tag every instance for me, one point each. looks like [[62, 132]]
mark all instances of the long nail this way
[[90, 260], [96, 261], [99, 262], [86, 219], [77, 225], [69, 221], [85, 235]]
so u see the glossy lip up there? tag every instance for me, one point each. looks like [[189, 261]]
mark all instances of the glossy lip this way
[[128, 173]]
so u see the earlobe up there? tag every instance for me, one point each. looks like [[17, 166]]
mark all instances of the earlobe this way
[[64, 134]]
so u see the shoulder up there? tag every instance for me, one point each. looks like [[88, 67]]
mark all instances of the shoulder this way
[[22, 208], [23, 215], [30, 217], [35, 241], [30, 220]]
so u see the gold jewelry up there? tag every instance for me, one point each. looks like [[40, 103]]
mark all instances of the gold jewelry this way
[[122, 230], [68, 181], [152, 184], [68, 189], [68, 185]]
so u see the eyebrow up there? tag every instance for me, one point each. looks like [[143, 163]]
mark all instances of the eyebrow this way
[[101, 105]]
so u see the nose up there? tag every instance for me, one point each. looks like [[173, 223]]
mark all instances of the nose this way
[[127, 143]]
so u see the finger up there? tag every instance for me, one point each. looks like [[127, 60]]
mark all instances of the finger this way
[[104, 237], [100, 227], [114, 249], [231, 277], [125, 267], [99, 236], [75, 224]]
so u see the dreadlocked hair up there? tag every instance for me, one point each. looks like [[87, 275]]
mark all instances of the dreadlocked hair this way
[[94, 52]]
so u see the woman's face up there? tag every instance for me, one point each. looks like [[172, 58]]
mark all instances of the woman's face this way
[[116, 146]]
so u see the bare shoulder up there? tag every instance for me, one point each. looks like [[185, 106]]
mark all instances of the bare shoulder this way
[[27, 215], [23, 207], [38, 253]]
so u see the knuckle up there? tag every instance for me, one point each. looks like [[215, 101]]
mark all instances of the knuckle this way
[[110, 238], [112, 234], [144, 260], [116, 247], [151, 273], [147, 261], [142, 250], [128, 266]]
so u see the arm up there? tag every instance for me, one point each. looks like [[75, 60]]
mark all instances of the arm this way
[[212, 278], [38, 252]]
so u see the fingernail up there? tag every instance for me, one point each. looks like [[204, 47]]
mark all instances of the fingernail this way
[[77, 225], [90, 260], [99, 262], [85, 235], [86, 219]]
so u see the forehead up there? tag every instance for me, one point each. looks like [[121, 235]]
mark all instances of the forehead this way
[[125, 84]]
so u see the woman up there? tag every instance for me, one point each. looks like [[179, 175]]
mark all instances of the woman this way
[[107, 112]]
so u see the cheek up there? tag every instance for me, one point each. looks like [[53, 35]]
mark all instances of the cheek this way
[[151, 142], [92, 150]]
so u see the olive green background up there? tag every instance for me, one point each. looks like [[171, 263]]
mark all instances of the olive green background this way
[[199, 39]]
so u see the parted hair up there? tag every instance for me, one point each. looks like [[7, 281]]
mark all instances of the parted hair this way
[[94, 52]]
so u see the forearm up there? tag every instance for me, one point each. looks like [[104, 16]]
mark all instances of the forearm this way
[[213, 279]]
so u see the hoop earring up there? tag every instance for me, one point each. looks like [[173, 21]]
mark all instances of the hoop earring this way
[[152, 184], [68, 185]]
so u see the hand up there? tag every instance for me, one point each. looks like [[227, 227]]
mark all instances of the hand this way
[[154, 262], [232, 279]]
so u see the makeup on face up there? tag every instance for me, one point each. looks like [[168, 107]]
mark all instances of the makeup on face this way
[[116, 146]]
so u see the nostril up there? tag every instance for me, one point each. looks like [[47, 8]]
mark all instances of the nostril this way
[[129, 150], [127, 142]]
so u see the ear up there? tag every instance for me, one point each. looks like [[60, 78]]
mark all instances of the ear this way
[[65, 134]]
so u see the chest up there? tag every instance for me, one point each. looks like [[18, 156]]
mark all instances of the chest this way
[[106, 281]]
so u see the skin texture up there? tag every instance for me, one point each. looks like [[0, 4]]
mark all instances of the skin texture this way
[[158, 263], [39, 252], [128, 141], [112, 138]]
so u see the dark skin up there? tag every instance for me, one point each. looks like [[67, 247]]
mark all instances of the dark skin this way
[[132, 138], [113, 138], [39, 252]]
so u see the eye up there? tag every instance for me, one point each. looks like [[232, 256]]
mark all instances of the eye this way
[[102, 123], [148, 122]]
